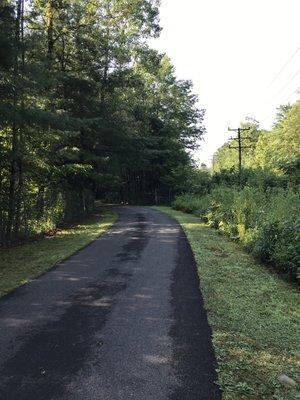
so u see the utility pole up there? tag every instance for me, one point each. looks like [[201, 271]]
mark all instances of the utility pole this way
[[240, 146]]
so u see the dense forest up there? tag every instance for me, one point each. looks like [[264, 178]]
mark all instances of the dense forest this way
[[261, 207], [87, 110]]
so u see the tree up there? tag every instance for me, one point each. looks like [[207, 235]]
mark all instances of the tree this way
[[87, 110], [226, 157], [278, 150]]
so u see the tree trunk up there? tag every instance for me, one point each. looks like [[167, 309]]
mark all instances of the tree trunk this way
[[12, 185], [106, 53], [15, 139], [50, 32], [19, 198]]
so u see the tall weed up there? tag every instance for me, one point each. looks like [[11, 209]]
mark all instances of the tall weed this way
[[267, 223]]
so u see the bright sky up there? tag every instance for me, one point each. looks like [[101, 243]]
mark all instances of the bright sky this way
[[233, 50]]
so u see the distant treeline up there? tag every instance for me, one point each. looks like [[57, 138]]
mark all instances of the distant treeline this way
[[87, 110], [276, 151], [262, 209]]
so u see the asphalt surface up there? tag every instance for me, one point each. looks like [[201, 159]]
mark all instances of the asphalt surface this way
[[122, 319]]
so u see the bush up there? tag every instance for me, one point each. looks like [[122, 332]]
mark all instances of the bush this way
[[266, 222], [287, 248], [279, 243], [220, 214], [189, 203], [45, 210]]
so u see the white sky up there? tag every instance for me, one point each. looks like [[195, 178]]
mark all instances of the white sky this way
[[232, 50]]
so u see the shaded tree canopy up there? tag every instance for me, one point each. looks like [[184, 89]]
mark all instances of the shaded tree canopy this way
[[87, 110]]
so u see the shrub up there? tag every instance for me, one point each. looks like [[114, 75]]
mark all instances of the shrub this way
[[189, 203], [279, 243], [266, 222], [220, 214]]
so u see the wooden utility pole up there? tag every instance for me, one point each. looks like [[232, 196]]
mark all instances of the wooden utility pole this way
[[240, 146]]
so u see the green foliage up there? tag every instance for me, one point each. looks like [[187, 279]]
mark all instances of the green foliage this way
[[253, 177], [192, 204], [87, 110], [6, 35], [261, 206], [198, 181], [279, 243], [280, 147], [226, 158], [266, 222], [273, 152]]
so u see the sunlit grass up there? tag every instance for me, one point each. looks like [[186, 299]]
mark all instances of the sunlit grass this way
[[253, 313], [21, 263]]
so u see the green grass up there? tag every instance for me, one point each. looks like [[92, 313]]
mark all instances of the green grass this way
[[24, 262], [254, 316]]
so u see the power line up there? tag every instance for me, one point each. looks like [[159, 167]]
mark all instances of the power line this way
[[284, 67], [281, 90], [294, 92], [286, 100], [292, 78]]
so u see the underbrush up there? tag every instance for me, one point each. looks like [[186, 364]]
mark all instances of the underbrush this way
[[267, 223]]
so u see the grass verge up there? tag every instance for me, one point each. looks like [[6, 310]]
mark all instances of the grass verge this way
[[254, 316], [21, 263]]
